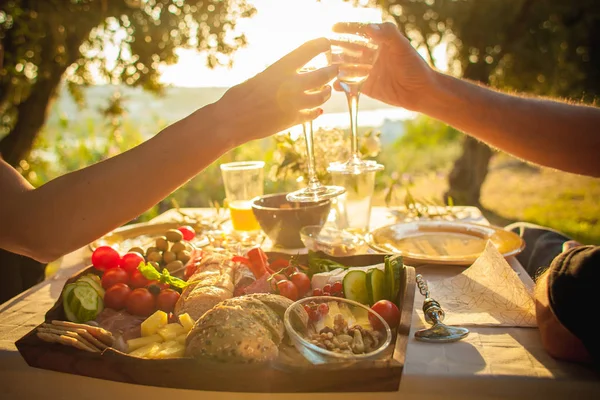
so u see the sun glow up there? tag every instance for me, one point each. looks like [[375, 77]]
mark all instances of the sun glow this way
[[278, 27]]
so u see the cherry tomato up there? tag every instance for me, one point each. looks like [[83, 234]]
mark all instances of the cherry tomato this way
[[113, 276], [388, 311], [105, 257], [187, 232], [317, 292], [337, 287], [166, 300], [275, 279], [116, 296], [131, 261], [287, 289], [141, 302], [137, 280], [158, 285], [302, 282]]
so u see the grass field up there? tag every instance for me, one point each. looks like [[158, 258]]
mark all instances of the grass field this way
[[516, 191]]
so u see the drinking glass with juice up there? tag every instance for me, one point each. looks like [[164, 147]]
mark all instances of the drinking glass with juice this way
[[243, 181]]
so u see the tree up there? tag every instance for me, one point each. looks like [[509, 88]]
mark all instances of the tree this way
[[52, 41], [546, 47]]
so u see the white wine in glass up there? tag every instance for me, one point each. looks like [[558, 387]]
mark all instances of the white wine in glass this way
[[355, 56], [315, 191]]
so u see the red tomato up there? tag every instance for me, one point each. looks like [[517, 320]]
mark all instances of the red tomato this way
[[166, 300], [302, 282], [116, 296], [141, 302], [187, 232], [287, 289], [131, 261], [275, 279], [137, 280], [105, 257], [337, 287], [388, 311], [114, 276], [161, 286]]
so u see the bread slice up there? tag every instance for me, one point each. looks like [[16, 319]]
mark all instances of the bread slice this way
[[262, 313], [279, 304], [231, 334]]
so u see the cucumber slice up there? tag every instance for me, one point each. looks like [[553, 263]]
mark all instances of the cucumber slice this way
[[84, 302], [376, 285], [94, 282], [86, 295], [355, 287], [67, 295], [389, 279], [397, 267]]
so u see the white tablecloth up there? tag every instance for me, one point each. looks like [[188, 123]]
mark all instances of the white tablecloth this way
[[492, 362]]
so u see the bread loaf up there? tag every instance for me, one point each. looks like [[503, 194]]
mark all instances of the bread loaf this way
[[246, 329]]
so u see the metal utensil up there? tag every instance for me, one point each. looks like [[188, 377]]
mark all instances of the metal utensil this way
[[434, 315]]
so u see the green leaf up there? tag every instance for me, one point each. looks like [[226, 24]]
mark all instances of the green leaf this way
[[149, 271]]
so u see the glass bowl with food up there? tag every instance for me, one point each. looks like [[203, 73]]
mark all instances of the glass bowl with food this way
[[339, 330], [332, 241]]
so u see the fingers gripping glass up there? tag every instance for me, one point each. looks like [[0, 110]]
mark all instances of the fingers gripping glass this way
[[314, 191]]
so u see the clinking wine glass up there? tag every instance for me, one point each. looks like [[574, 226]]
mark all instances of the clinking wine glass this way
[[355, 55], [315, 191]]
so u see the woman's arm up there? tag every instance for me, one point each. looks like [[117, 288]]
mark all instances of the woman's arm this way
[[71, 211]]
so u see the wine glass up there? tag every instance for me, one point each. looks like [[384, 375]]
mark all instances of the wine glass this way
[[355, 55], [315, 191]]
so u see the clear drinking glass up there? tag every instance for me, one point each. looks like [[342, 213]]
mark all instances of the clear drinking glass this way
[[314, 191], [243, 182], [355, 54]]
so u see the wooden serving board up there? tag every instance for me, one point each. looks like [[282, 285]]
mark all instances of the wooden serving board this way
[[277, 377]]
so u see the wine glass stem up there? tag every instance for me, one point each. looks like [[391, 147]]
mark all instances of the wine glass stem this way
[[313, 181], [353, 106]]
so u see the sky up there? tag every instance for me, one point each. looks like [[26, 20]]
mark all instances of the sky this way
[[270, 36]]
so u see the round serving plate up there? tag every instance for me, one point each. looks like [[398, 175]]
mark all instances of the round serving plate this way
[[135, 235], [442, 242]]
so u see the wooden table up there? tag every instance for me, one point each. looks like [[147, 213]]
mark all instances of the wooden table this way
[[492, 362]]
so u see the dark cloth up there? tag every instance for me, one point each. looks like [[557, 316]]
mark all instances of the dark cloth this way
[[542, 245], [573, 279], [17, 274]]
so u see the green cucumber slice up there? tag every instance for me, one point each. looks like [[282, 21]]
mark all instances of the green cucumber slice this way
[[397, 266], [376, 285], [389, 279], [355, 287], [94, 282], [67, 295], [84, 302]]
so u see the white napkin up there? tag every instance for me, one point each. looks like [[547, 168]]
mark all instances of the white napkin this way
[[488, 293]]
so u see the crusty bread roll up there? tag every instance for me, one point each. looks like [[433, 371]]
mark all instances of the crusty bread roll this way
[[245, 329], [211, 283]]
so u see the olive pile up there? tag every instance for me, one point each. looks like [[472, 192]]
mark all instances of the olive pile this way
[[169, 251]]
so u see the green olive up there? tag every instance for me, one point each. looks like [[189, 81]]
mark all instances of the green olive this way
[[184, 256], [155, 256], [174, 266], [178, 247], [169, 256], [138, 250], [162, 244], [150, 250], [173, 235]]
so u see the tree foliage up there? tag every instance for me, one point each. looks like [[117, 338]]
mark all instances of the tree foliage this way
[[81, 41]]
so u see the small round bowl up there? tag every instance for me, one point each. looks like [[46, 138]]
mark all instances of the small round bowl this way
[[319, 355], [332, 241], [282, 220]]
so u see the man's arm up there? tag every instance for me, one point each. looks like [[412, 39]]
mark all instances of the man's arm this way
[[549, 133]]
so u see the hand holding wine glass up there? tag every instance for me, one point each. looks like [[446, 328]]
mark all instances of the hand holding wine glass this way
[[400, 77]]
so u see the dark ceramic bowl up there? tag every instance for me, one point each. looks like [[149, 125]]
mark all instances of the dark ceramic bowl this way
[[282, 220]]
